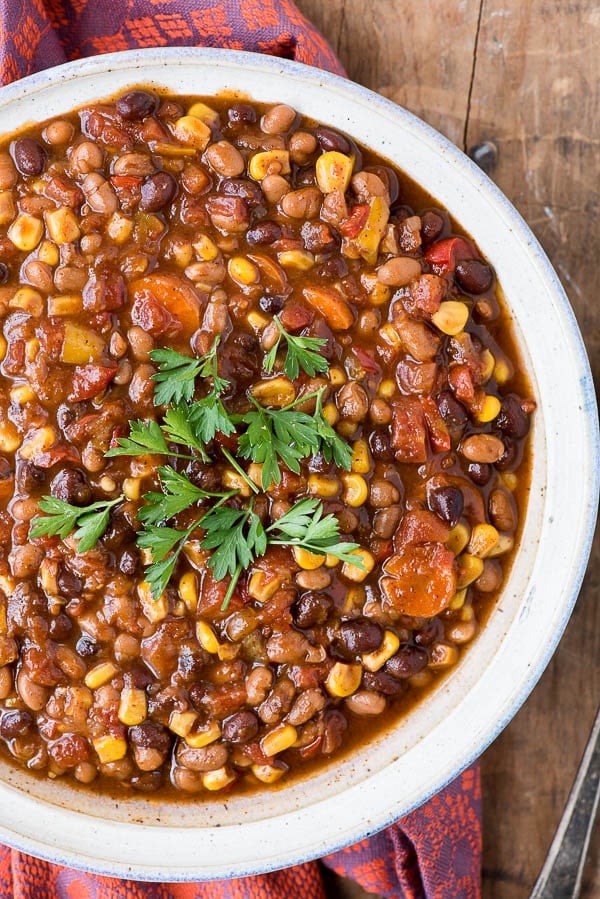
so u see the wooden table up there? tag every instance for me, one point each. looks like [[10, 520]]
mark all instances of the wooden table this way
[[524, 74]]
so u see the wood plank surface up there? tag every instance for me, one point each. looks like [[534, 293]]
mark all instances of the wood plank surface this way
[[524, 74]]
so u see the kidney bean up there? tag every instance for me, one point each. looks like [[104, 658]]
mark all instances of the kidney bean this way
[[479, 472], [15, 724], [241, 114], [474, 276], [483, 448], [150, 735], [451, 410], [333, 732], [71, 486], [359, 635], [157, 191], [381, 446], [68, 583], [511, 419], [129, 561], [242, 727], [332, 140], [135, 106], [432, 226], [29, 156], [311, 609], [447, 502], [407, 661], [263, 234], [244, 189], [382, 683], [509, 457]]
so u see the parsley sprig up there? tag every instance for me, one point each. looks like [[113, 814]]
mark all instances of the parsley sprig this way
[[301, 353], [88, 522]]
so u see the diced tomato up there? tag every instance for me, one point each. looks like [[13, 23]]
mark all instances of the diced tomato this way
[[439, 437], [420, 526], [366, 360], [90, 380], [295, 317], [425, 294], [353, 225], [165, 304], [126, 182], [409, 435], [55, 455], [461, 382], [444, 254], [104, 292], [419, 580]]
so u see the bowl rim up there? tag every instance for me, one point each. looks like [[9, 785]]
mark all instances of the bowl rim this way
[[359, 829]]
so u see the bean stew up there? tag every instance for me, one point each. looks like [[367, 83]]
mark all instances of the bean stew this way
[[263, 444]]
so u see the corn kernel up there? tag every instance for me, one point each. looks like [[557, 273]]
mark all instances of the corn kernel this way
[[268, 774], [346, 429], [65, 304], [344, 680], [203, 112], [133, 707], [27, 300], [277, 392], [356, 573], [132, 488], [451, 317], [337, 376], [192, 131], [207, 637], [300, 260], [469, 569], [279, 739], [100, 674], [355, 490], [331, 561], [108, 484], [188, 590], [331, 414], [375, 660], [333, 171], [3, 347], [484, 538], [38, 441], [234, 481], [458, 600], [458, 539], [269, 162], [181, 723], [488, 363], [227, 651], [504, 545], [257, 321], [8, 210], [62, 225], [442, 655], [26, 232], [307, 560], [22, 394], [262, 589], [361, 462], [205, 248], [243, 271], [379, 294], [390, 335], [510, 480], [320, 486], [502, 371], [387, 388], [218, 779], [32, 348], [153, 609], [110, 749], [197, 739], [48, 253], [119, 228], [490, 408]]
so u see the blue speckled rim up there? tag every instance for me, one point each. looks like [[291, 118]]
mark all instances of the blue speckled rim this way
[[379, 105]]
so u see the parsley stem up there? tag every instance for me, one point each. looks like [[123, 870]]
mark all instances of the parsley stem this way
[[230, 590], [243, 474]]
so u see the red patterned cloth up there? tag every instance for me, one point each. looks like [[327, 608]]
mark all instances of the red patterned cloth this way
[[432, 853]]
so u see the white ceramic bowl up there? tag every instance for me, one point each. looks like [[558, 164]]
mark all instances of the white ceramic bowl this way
[[402, 768]]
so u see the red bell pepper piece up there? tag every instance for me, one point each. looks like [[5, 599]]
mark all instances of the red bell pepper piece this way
[[444, 254]]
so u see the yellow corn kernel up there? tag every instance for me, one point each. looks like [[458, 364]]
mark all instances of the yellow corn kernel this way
[[201, 111], [38, 441], [361, 461], [203, 737], [355, 490], [119, 228], [278, 392], [261, 589], [346, 429], [469, 569], [3, 347], [243, 271], [22, 394], [458, 600], [320, 486], [331, 561], [373, 661], [218, 779], [8, 210], [307, 560], [234, 481], [269, 162], [172, 151], [181, 723], [132, 488], [337, 376], [80, 345], [100, 674], [333, 171], [279, 739], [490, 408], [257, 321], [65, 304], [254, 472], [458, 539], [379, 293], [133, 707], [205, 248], [387, 388], [451, 317], [192, 131], [26, 232], [188, 590], [228, 651], [27, 300], [504, 545], [442, 656], [48, 253], [153, 609], [510, 480], [502, 371], [331, 414], [488, 363], [268, 774], [344, 680], [62, 225], [110, 749], [484, 538], [389, 334], [207, 637], [300, 260], [356, 573], [108, 484]]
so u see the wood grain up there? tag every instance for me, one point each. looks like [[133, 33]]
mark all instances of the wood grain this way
[[526, 75]]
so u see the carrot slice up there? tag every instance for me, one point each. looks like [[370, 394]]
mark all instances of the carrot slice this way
[[178, 300], [334, 308], [419, 580]]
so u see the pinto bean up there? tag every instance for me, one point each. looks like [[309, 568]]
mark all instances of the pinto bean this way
[[353, 402], [306, 705], [278, 702], [302, 204], [502, 510], [366, 702], [278, 119], [208, 758]]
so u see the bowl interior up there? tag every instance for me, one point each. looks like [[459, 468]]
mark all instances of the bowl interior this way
[[401, 768]]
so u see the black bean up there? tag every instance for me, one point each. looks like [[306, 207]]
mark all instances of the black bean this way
[[71, 485], [431, 631], [244, 189], [311, 608], [86, 646], [241, 727], [306, 176], [479, 472], [453, 412], [136, 105], [60, 626], [359, 635], [381, 446], [129, 561], [157, 191], [271, 304], [263, 233], [149, 735], [510, 456], [382, 683], [29, 477], [447, 502], [332, 140], [4, 273], [119, 532], [474, 276], [69, 584], [407, 661], [332, 269], [29, 156], [511, 419], [241, 113], [6, 472], [147, 782], [15, 724], [432, 225]]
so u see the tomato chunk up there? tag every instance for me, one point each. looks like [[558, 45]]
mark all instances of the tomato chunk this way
[[419, 580], [444, 254], [90, 380], [409, 435], [421, 526]]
